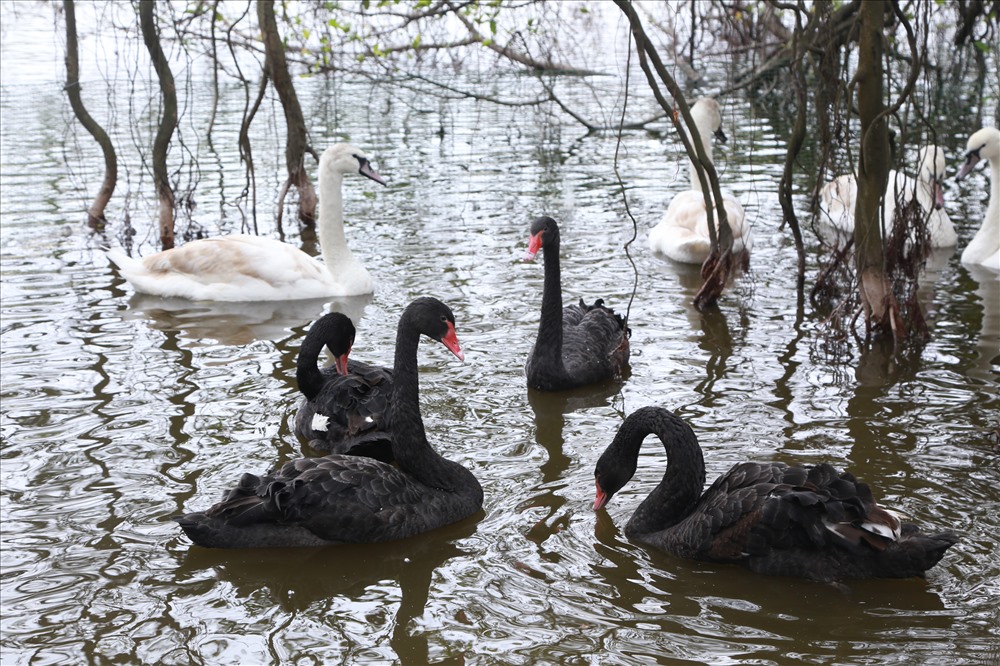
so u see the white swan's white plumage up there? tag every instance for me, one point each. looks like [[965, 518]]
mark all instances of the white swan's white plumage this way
[[683, 234], [838, 198], [984, 248], [250, 268]]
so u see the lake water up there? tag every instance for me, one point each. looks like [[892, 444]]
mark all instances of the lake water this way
[[121, 411]]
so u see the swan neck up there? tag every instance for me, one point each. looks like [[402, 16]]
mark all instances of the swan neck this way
[[330, 225], [992, 220], [410, 447], [678, 492], [705, 135], [307, 372], [550, 331], [986, 242]]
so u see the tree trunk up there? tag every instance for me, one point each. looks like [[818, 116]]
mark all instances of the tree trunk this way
[[95, 214], [297, 143], [875, 290], [168, 122]]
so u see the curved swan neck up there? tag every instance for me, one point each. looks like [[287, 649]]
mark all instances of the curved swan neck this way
[[307, 372], [680, 489]]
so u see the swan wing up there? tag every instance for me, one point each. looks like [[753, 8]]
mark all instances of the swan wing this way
[[728, 511], [837, 202], [338, 499], [595, 341], [349, 414], [230, 268], [683, 234]]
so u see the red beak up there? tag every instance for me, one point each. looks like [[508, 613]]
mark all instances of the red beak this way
[[534, 245], [450, 340], [938, 195], [340, 362], [601, 498]]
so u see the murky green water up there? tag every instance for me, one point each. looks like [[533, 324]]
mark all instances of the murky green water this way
[[119, 412]]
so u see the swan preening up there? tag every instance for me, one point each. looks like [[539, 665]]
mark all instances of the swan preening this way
[[579, 345], [984, 248], [838, 198], [344, 408], [350, 499], [809, 522], [683, 233], [250, 268]]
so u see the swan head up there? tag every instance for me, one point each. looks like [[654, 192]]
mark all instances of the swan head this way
[[435, 320], [609, 478], [932, 173], [983, 145], [707, 116], [343, 158], [337, 332], [542, 229]]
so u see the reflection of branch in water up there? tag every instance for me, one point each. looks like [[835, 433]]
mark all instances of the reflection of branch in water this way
[[718, 342], [237, 323], [782, 386], [313, 580]]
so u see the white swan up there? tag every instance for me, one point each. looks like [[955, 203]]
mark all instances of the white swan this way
[[250, 268], [682, 234], [984, 248], [838, 198]]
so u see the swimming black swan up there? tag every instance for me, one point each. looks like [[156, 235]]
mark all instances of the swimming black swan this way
[[581, 344], [239, 267], [811, 522], [344, 408], [350, 499]]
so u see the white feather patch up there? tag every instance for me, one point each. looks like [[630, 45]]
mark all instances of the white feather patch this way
[[320, 422], [881, 530]]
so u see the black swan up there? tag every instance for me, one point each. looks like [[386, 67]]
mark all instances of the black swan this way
[[813, 522], [349, 499], [579, 345], [344, 408]]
